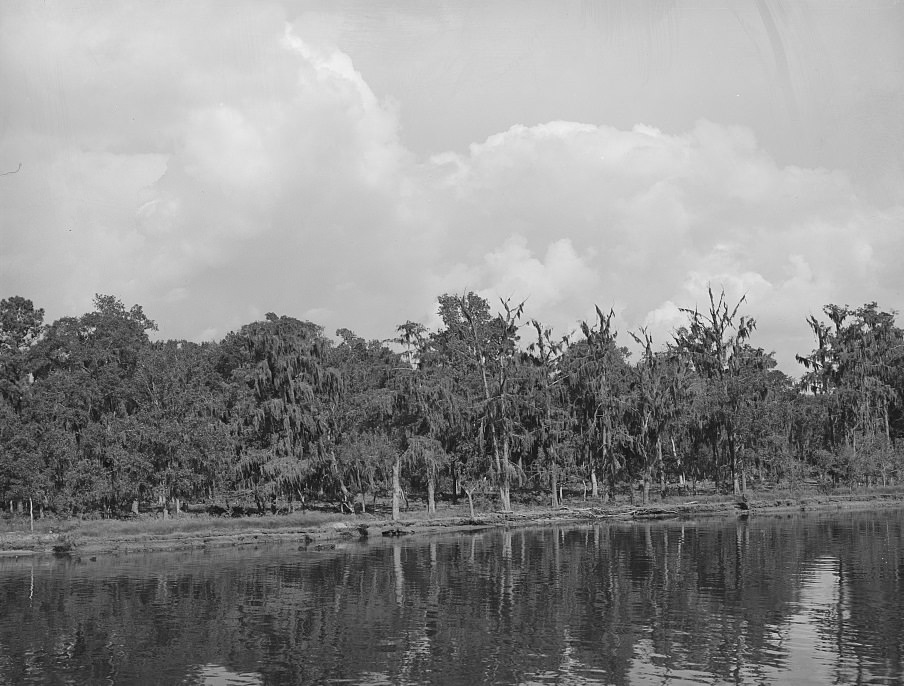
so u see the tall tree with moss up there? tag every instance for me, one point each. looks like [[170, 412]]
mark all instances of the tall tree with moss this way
[[544, 408], [182, 421], [597, 379], [21, 326], [856, 372], [22, 471], [431, 410], [281, 362], [84, 383], [358, 444], [485, 346], [657, 386], [714, 343]]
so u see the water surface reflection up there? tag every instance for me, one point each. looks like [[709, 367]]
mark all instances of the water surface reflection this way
[[772, 600]]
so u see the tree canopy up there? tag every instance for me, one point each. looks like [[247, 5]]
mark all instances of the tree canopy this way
[[95, 416]]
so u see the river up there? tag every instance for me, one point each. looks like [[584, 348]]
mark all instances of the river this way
[[800, 599]]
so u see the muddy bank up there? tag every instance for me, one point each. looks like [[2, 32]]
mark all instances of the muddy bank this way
[[104, 538]]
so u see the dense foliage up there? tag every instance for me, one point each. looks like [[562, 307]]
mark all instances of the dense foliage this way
[[97, 417]]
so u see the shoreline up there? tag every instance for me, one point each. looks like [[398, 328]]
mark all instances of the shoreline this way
[[103, 537]]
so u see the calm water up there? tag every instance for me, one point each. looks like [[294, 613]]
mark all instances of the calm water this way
[[797, 600]]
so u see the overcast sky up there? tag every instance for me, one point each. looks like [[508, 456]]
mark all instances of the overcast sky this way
[[347, 162]]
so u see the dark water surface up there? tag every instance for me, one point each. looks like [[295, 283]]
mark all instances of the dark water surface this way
[[801, 600]]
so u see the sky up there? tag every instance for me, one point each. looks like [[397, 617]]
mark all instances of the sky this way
[[347, 162]]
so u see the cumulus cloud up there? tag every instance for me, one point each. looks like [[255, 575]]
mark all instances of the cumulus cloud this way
[[657, 219], [512, 273], [276, 179]]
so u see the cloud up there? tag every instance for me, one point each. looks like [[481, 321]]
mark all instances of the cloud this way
[[242, 176], [511, 272], [654, 220]]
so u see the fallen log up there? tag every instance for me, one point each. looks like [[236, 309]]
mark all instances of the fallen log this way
[[396, 532]]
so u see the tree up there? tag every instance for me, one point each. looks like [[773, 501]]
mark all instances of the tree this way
[[84, 383], [182, 422], [764, 411], [358, 441], [714, 344], [22, 473], [21, 326], [549, 428], [280, 362], [657, 385], [597, 381], [857, 374], [430, 408], [474, 338]]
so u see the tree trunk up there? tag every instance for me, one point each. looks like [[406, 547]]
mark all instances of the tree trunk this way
[[678, 466], [717, 464], [661, 463], [396, 487], [431, 494], [347, 498], [505, 497], [470, 502], [502, 463], [554, 487], [594, 486], [733, 457], [363, 502], [455, 485], [31, 514], [608, 493]]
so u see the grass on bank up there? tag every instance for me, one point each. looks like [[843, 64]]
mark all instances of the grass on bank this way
[[14, 529], [183, 525]]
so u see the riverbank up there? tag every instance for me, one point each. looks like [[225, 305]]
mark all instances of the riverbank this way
[[313, 529]]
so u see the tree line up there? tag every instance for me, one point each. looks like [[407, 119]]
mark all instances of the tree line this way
[[95, 417]]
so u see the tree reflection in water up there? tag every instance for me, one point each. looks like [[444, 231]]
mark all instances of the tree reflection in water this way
[[803, 599]]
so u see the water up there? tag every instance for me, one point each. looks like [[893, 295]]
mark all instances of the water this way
[[799, 600]]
